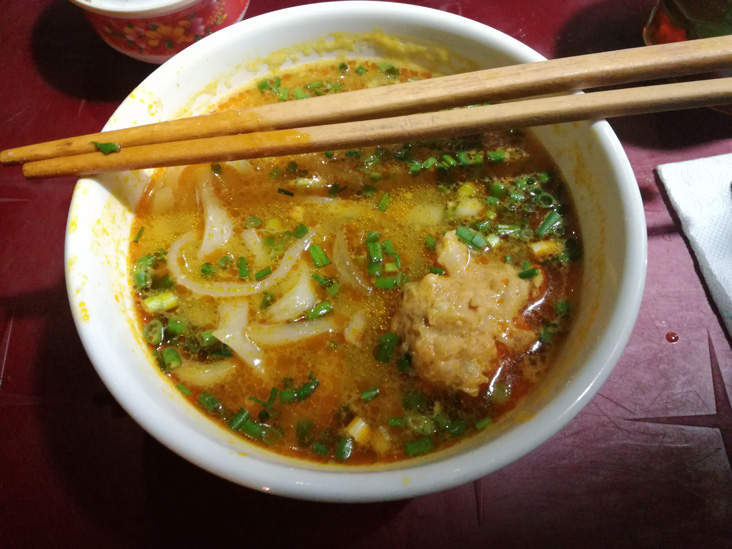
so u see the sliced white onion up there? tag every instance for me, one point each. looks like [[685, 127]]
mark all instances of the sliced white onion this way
[[233, 289], [205, 375], [219, 227], [233, 320], [279, 334], [348, 273], [254, 245], [295, 302]]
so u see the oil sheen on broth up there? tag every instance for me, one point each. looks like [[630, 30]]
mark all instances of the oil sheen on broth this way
[[357, 306]]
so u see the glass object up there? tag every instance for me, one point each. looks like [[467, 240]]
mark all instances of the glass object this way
[[679, 20]]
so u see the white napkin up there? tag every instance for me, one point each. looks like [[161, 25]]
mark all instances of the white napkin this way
[[701, 192]]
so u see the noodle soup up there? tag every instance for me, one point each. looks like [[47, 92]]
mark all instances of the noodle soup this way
[[358, 306]]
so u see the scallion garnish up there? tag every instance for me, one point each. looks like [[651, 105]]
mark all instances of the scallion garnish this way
[[321, 309], [375, 253], [300, 231], [171, 358], [384, 202], [344, 448], [385, 282], [389, 247], [369, 394], [138, 235], [320, 259], [437, 270], [371, 236], [386, 347], [285, 192], [419, 446], [183, 389], [430, 242], [208, 269], [243, 266], [561, 308], [107, 148], [160, 302], [320, 449], [483, 423], [397, 422], [176, 325], [253, 221], [153, 332], [264, 272], [551, 219]]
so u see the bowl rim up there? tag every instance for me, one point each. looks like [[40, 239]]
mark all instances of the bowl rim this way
[[123, 9], [364, 486]]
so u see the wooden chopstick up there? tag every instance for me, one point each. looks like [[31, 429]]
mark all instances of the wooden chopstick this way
[[451, 123], [565, 74]]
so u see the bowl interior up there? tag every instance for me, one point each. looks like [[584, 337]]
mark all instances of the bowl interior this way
[[593, 165]]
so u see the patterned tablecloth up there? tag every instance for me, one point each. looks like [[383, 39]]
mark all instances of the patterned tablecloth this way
[[646, 464]]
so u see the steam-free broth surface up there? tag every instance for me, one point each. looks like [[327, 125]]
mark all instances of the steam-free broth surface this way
[[364, 305]]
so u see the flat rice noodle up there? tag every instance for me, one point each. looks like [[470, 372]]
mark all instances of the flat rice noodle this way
[[280, 334], [348, 272], [183, 277], [295, 302], [233, 320], [219, 227], [205, 375]]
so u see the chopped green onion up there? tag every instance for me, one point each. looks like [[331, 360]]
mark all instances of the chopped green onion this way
[[217, 169], [344, 448], [160, 302], [320, 259], [385, 282], [321, 309], [427, 164], [183, 389], [448, 160], [415, 167], [304, 432], [333, 289], [361, 70], [138, 235], [171, 358], [207, 338], [463, 158], [353, 153], [224, 261], [404, 364], [437, 270], [499, 191], [430, 242], [492, 201], [264, 272], [386, 347], [375, 253], [300, 231], [264, 85], [107, 148], [320, 279], [163, 283], [253, 221], [299, 93], [208, 269], [369, 394], [389, 247], [371, 236], [496, 156], [320, 449], [267, 299], [384, 202], [153, 332], [421, 424], [561, 308], [176, 325], [483, 423], [529, 273], [368, 190], [457, 427], [419, 446], [397, 422], [415, 400], [285, 192], [343, 67], [390, 267], [243, 266], [374, 269], [237, 421], [329, 154], [208, 401], [551, 219]]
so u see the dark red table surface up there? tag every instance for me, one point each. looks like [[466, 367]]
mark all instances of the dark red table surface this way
[[645, 464]]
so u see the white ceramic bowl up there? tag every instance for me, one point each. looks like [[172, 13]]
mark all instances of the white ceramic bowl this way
[[593, 165]]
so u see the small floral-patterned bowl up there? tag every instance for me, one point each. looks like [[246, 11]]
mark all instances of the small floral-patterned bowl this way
[[155, 30]]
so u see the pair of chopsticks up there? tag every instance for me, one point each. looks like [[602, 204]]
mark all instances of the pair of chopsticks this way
[[405, 112]]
